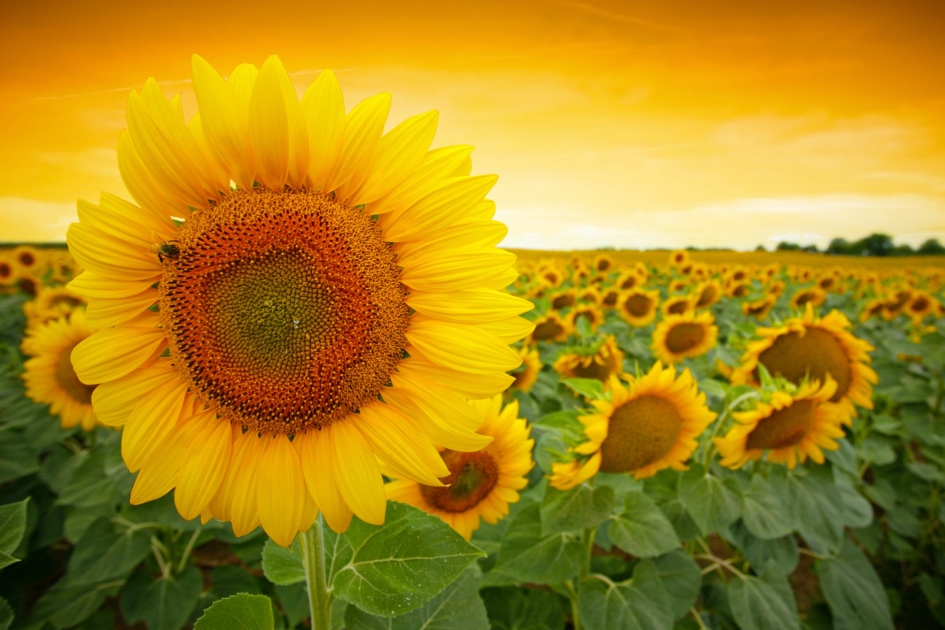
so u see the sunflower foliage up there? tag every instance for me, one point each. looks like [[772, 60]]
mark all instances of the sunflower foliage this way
[[854, 541]]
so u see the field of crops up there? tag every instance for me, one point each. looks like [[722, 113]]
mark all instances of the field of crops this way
[[713, 440]]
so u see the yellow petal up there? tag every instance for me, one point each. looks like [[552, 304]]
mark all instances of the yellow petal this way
[[472, 233], [400, 445], [442, 207], [468, 385], [465, 348], [208, 449], [436, 166], [470, 306], [458, 270], [356, 473], [363, 128], [318, 469], [440, 429], [399, 153], [104, 312], [159, 474], [115, 352], [114, 401], [150, 422], [280, 489], [89, 284]]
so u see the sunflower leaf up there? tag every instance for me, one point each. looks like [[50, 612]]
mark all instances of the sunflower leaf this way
[[681, 578], [283, 565], [818, 507], [854, 591], [527, 556], [640, 603], [575, 509], [12, 526], [164, 603], [247, 612], [523, 609], [590, 388], [764, 512], [760, 603], [712, 502], [400, 565], [642, 529]]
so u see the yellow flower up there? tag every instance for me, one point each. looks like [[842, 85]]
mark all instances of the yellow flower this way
[[589, 312], [679, 337], [49, 376], [526, 376], [678, 257], [707, 294], [790, 428], [678, 305], [327, 298], [551, 327], [759, 309], [814, 296], [649, 425], [598, 361], [815, 347], [638, 307], [51, 303], [479, 485], [563, 299]]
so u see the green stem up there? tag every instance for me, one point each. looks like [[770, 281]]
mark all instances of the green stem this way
[[587, 537], [573, 596], [313, 560], [188, 549]]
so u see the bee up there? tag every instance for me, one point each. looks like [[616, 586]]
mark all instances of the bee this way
[[168, 250]]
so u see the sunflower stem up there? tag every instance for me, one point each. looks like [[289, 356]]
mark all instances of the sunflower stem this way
[[313, 560]]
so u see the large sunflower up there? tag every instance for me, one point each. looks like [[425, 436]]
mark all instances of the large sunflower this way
[[49, 376], [479, 485], [649, 425], [791, 428], [295, 297], [815, 347], [679, 337]]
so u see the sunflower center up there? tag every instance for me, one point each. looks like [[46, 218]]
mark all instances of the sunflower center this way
[[785, 427], [547, 330], [706, 297], [638, 305], [642, 431], [472, 476], [678, 306], [817, 353], [5, 270], [684, 337], [598, 368], [284, 311], [67, 379], [562, 301]]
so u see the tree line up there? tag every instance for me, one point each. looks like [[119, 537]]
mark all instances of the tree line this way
[[873, 245]]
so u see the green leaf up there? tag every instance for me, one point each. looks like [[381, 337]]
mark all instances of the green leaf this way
[[681, 578], [238, 612], [590, 388], [17, 458], [65, 605], [523, 609], [763, 603], [6, 615], [12, 528], [164, 603], [88, 484], [766, 515], [783, 551], [929, 472], [283, 565], [403, 563], [854, 591], [712, 502], [107, 552], [229, 580], [857, 511], [338, 552], [713, 388], [642, 530], [526, 556], [818, 508], [575, 509], [294, 600], [457, 606], [640, 603]]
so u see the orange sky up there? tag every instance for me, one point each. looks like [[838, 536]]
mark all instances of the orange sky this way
[[610, 123]]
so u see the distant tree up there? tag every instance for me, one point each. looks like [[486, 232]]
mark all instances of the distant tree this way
[[902, 250], [810, 248], [875, 244], [786, 246], [931, 247], [838, 246], [760, 248]]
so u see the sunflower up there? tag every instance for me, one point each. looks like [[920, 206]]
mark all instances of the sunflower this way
[[707, 294], [678, 305], [609, 298], [550, 327], [327, 296], [790, 428], [873, 308], [598, 361], [815, 347], [563, 299], [49, 376], [814, 296], [646, 426], [920, 305], [478, 485], [603, 264], [638, 307], [588, 312], [759, 309], [27, 258], [527, 374], [678, 337], [51, 303], [678, 257], [629, 280], [736, 289]]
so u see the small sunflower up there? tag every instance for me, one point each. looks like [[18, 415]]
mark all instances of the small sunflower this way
[[679, 305], [603, 264], [638, 307], [598, 361], [609, 298], [707, 294], [815, 296], [630, 280], [550, 327], [759, 309], [563, 299], [679, 337], [591, 313], [295, 297], [920, 305], [51, 302], [814, 347], [526, 375], [646, 426], [49, 376], [479, 485], [678, 258], [790, 428]]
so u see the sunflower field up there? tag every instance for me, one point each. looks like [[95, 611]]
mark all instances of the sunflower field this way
[[688, 443]]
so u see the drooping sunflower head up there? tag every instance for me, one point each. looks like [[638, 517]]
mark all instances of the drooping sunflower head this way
[[480, 485], [599, 360], [648, 424], [638, 307], [679, 337], [527, 374], [49, 376], [790, 428], [273, 339], [737, 289], [814, 347]]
